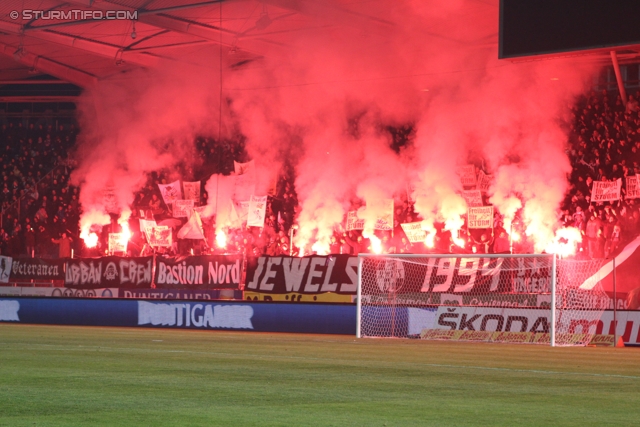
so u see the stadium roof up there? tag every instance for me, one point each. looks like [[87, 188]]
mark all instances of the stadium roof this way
[[63, 39]]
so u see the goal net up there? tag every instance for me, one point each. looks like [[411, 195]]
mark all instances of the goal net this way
[[534, 299]]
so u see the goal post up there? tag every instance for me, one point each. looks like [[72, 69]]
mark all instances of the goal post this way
[[553, 289], [526, 298]]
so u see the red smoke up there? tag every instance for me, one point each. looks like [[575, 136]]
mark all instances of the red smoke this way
[[327, 97]]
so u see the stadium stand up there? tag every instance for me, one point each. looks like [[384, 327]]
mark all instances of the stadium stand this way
[[39, 203]]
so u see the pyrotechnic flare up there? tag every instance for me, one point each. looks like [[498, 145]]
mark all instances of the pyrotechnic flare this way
[[90, 239], [125, 234], [430, 230], [443, 204], [320, 248], [376, 243], [92, 218], [457, 240], [507, 204], [221, 239], [565, 242], [429, 242]]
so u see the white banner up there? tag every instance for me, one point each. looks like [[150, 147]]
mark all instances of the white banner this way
[[257, 211], [353, 222], [160, 236], [182, 208], [606, 191], [414, 232], [110, 200], [242, 210], [385, 209], [633, 190], [5, 268], [245, 183], [193, 228], [467, 175], [472, 197], [242, 168], [116, 243], [203, 211], [484, 182], [192, 191], [170, 192], [480, 217], [146, 226], [244, 186]]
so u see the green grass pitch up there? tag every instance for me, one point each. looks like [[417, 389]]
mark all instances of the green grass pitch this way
[[82, 376]]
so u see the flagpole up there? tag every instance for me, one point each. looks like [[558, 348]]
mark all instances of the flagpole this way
[[217, 184]]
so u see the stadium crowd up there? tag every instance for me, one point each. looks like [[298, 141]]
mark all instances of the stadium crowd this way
[[604, 145], [38, 203], [40, 209]]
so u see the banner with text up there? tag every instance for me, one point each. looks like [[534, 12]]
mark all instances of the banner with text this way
[[108, 272], [480, 217], [191, 191], [484, 182], [117, 242], [306, 275], [385, 220], [467, 175], [36, 269], [414, 232], [182, 208], [606, 191], [456, 276], [472, 197], [170, 192], [257, 211], [428, 280], [632, 188], [160, 236], [353, 222], [207, 271]]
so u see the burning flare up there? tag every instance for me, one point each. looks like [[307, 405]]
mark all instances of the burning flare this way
[[125, 235], [90, 238], [457, 240], [565, 242], [429, 241], [90, 219], [430, 230], [221, 239], [376, 244], [320, 248]]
